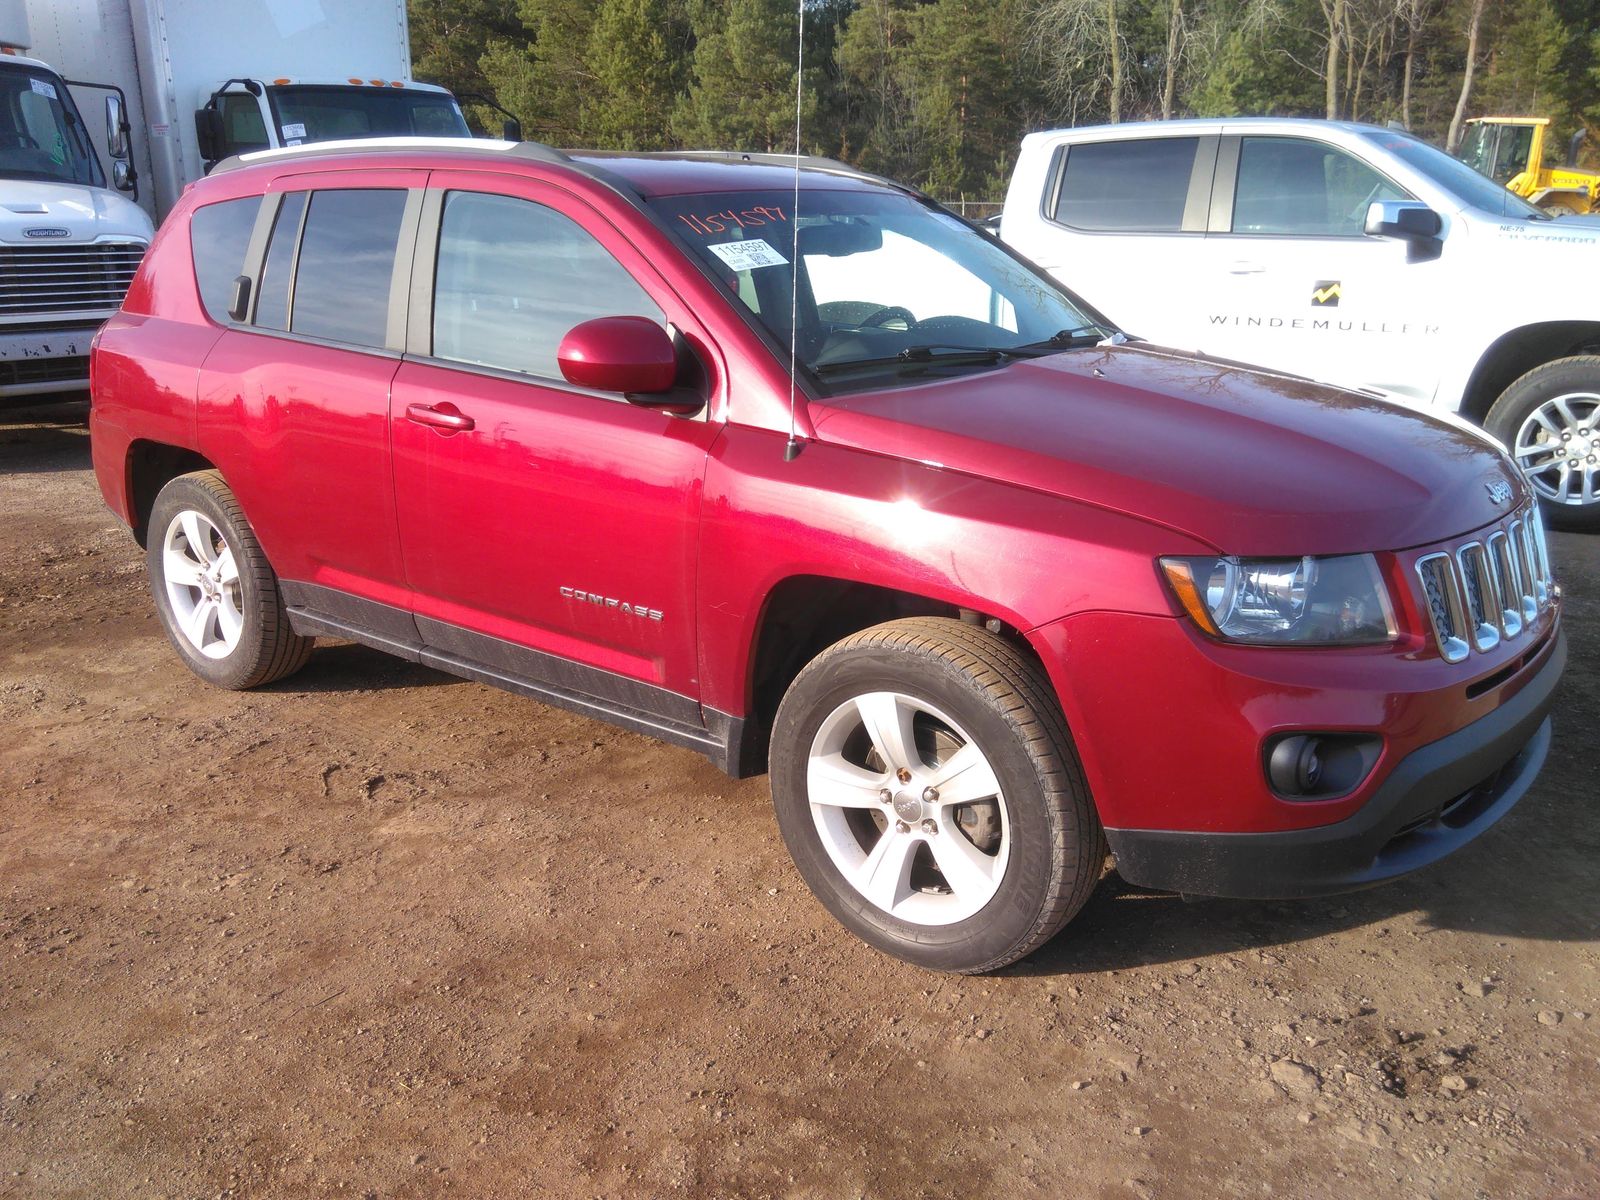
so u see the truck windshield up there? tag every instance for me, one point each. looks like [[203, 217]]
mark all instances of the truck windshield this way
[[889, 289], [41, 134], [320, 114], [1454, 176]]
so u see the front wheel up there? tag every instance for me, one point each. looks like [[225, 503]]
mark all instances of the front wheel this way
[[927, 788], [1550, 419]]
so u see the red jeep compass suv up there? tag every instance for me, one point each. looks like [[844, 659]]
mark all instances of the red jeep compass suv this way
[[988, 586]]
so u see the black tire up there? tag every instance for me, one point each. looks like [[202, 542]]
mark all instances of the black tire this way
[[1002, 699], [267, 649], [1516, 406]]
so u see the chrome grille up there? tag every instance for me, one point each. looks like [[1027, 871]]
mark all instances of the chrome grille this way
[[1487, 591], [1444, 605], [1507, 592], [1483, 610], [58, 279]]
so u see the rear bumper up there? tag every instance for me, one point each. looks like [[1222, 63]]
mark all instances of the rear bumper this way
[[1436, 800]]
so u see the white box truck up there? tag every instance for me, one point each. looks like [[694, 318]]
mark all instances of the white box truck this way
[[206, 79], [69, 242]]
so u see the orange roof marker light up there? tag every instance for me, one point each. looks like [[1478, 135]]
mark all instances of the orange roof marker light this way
[[280, 82], [354, 80], [375, 82], [396, 83]]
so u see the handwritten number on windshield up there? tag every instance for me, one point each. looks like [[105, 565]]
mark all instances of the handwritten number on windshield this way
[[746, 218]]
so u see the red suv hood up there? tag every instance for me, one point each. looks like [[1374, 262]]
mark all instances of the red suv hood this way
[[1249, 462]]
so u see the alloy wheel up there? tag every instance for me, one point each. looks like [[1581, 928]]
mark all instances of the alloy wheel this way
[[1558, 448], [202, 583], [908, 808]]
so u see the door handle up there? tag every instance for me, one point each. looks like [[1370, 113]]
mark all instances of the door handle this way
[[440, 416], [1245, 267]]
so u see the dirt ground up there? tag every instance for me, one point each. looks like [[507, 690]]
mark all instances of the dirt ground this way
[[378, 932]]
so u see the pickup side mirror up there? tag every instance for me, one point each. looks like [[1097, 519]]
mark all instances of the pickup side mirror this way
[[511, 129], [208, 133], [1404, 219], [116, 128]]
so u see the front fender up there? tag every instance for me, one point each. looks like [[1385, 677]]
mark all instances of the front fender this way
[[842, 513]]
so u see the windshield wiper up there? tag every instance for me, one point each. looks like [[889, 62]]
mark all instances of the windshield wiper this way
[[933, 354], [1077, 339]]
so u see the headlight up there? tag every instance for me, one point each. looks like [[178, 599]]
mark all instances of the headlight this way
[[1285, 601]]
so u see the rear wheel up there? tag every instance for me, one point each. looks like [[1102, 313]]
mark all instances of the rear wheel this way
[[928, 791], [1550, 419], [215, 593]]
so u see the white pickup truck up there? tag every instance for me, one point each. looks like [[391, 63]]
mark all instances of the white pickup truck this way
[[1347, 253]]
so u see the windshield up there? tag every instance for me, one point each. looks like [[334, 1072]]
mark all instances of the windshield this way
[[1460, 180], [41, 135], [320, 114], [888, 289]]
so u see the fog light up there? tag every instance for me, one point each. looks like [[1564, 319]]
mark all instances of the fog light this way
[[1295, 767], [1320, 766]]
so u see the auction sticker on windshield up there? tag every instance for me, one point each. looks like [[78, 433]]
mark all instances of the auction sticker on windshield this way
[[748, 254], [44, 87]]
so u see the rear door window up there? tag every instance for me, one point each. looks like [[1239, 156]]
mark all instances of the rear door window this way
[[513, 277], [345, 268], [1136, 186], [219, 237]]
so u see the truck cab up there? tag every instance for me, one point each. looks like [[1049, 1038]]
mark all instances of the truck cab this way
[[69, 243], [1511, 151], [245, 115]]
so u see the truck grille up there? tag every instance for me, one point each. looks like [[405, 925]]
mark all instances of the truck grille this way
[[1489, 590], [66, 279]]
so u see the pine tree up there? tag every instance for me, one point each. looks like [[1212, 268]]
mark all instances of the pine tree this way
[[743, 91], [636, 78]]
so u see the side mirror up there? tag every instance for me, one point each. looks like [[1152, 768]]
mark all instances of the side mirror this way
[[511, 129], [122, 176], [116, 128], [632, 355], [208, 132], [1405, 219]]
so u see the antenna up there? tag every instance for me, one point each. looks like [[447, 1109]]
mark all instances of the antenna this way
[[791, 449]]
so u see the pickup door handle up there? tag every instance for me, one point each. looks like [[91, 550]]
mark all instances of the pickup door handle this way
[[1245, 267], [440, 416]]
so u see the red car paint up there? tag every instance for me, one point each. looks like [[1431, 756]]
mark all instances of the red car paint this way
[[1039, 494]]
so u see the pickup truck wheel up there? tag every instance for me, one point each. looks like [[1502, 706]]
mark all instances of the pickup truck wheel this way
[[217, 597], [927, 788], [1550, 418]]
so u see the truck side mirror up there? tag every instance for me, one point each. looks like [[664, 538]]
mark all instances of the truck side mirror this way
[[1404, 219], [116, 128], [122, 176], [208, 133], [511, 129]]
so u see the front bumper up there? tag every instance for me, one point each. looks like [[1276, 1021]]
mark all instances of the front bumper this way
[[1435, 800], [39, 362]]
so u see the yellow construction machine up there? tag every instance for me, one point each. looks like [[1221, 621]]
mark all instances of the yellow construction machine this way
[[1510, 150]]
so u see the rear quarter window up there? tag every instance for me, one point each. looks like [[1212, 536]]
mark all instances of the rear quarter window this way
[[219, 237], [1135, 186]]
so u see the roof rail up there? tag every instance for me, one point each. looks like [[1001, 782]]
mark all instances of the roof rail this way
[[812, 162], [448, 145]]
